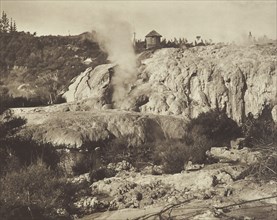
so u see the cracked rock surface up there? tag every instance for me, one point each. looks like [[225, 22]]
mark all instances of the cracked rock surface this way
[[187, 82]]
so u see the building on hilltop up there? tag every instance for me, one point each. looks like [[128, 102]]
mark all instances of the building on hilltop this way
[[153, 40], [199, 41]]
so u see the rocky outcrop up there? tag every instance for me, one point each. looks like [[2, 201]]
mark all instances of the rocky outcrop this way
[[203, 193], [92, 83], [239, 80], [188, 82], [74, 129]]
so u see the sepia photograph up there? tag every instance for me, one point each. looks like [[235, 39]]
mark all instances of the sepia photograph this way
[[138, 110]]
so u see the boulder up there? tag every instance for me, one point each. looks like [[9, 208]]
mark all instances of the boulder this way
[[236, 171], [244, 155], [193, 167]]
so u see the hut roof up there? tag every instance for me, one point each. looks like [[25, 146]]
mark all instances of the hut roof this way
[[153, 34]]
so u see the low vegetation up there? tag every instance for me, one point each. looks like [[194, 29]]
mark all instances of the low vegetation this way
[[212, 129], [208, 130], [261, 130], [261, 134], [34, 192], [32, 186]]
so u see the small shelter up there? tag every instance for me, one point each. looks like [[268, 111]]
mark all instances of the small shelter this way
[[153, 40]]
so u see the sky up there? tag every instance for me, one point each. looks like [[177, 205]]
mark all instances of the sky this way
[[218, 20]]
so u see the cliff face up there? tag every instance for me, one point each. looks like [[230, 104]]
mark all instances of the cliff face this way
[[187, 82]]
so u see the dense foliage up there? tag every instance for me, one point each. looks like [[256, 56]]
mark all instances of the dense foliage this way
[[33, 192], [216, 126], [7, 25], [16, 152], [32, 66], [32, 186]]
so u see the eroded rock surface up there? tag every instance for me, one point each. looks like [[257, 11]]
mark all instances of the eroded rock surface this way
[[92, 83], [187, 82], [72, 129], [200, 194]]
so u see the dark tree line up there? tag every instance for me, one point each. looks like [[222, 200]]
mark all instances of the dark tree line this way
[[7, 25]]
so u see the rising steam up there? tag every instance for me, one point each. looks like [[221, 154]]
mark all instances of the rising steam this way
[[115, 38]]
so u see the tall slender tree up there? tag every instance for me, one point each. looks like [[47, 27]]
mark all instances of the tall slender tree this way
[[11, 25], [5, 22], [1, 25], [14, 26]]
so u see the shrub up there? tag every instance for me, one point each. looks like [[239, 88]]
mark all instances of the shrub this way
[[7, 160], [173, 155], [28, 151], [83, 165], [119, 149], [216, 127], [37, 186], [9, 126], [17, 151], [100, 174], [261, 134], [200, 145], [261, 130], [207, 130], [266, 167]]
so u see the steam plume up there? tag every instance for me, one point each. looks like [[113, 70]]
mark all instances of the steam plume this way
[[115, 37]]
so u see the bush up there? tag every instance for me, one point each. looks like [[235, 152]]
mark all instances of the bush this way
[[16, 151], [37, 186], [100, 174], [261, 134], [261, 130], [119, 149], [216, 127], [115, 150], [266, 167], [8, 127], [35, 191], [173, 155], [207, 130], [29, 151], [84, 164]]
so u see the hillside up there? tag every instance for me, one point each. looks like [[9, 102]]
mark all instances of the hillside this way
[[168, 145], [170, 82], [41, 67]]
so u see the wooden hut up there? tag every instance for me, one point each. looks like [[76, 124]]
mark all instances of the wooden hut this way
[[153, 40]]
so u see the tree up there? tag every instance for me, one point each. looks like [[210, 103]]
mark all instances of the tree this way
[[1, 25], [11, 25], [7, 25], [5, 22], [14, 26]]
